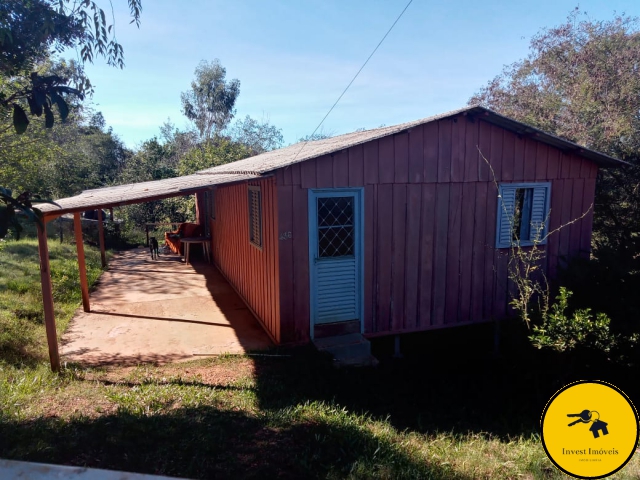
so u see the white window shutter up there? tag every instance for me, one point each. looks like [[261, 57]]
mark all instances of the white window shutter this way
[[539, 213], [506, 207]]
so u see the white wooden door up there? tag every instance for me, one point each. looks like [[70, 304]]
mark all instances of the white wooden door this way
[[335, 251]]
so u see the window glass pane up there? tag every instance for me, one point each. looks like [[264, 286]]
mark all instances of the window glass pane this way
[[335, 211], [335, 227], [521, 227]]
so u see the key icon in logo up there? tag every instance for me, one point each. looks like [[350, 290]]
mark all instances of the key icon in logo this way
[[590, 416]]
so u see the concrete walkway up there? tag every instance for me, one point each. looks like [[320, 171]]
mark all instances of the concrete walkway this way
[[160, 311]]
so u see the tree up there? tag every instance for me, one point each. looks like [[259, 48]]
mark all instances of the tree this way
[[258, 136], [29, 30], [320, 135], [581, 82], [210, 102]]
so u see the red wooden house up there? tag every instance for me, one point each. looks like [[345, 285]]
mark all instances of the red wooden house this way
[[398, 229], [386, 231]]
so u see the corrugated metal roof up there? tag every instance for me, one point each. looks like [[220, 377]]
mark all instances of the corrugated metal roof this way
[[140, 192], [258, 165], [275, 159]]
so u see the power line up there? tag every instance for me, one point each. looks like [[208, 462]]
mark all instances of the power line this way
[[355, 76]]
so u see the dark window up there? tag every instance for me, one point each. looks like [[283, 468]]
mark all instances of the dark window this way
[[255, 216], [523, 214], [335, 227]]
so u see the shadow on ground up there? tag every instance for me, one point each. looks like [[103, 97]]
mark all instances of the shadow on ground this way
[[209, 443], [449, 380]]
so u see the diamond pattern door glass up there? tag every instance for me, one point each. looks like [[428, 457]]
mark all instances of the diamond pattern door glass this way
[[335, 227]]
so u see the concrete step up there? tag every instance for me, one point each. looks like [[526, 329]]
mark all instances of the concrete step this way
[[347, 350]]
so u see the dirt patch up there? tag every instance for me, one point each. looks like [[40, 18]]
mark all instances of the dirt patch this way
[[218, 373]]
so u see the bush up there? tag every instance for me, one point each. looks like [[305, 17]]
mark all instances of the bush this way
[[582, 329]]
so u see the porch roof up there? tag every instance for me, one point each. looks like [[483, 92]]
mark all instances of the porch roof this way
[[140, 192]]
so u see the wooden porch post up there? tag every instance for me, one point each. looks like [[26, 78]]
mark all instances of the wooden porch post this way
[[84, 286], [47, 299], [103, 256]]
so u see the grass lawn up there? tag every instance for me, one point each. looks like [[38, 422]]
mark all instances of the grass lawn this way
[[447, 410]]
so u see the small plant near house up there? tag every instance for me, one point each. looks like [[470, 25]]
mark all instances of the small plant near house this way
[[565, 332]]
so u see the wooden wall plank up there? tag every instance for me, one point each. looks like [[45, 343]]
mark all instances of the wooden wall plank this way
[[440, 253], [300, 241], [371, 152], [383, 256], [369, 251], [416, 155], [585, 168], [427, 241], [386, 164], [565, 218], [542, 161], [458, 148], [308, 174], [341, 169], [553, 163], [401, 157], [444, 150], [518, 158], [287, 176], [398, 253], [430, 152], [530, 152], [452, 291], [497, 138], [471, 156], [484, 141], [576, 213], [501, 294], [490, 242], [555, 216], [324, 172], [356, 166], [295, 174], [412, 255], [467, 230], [587, 222], [285, 264], [508, 156], [576, 166], [565, 165]]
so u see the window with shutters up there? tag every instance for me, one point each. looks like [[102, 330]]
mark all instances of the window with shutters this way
[[523, 214], [255, 216]]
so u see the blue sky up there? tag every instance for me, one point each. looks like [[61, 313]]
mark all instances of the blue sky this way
[[294, 58]]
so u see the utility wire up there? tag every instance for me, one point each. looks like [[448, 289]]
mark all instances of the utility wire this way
[[354, 78]]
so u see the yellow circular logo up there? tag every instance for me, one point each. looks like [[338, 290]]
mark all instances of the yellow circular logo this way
[[590, 429]]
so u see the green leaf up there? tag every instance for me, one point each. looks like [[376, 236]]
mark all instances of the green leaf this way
[[20, 120], [63, 108], [48, 116], [33, 106]]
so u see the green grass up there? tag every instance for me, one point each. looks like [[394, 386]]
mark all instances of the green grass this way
[[447, 410], [22, 332]]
